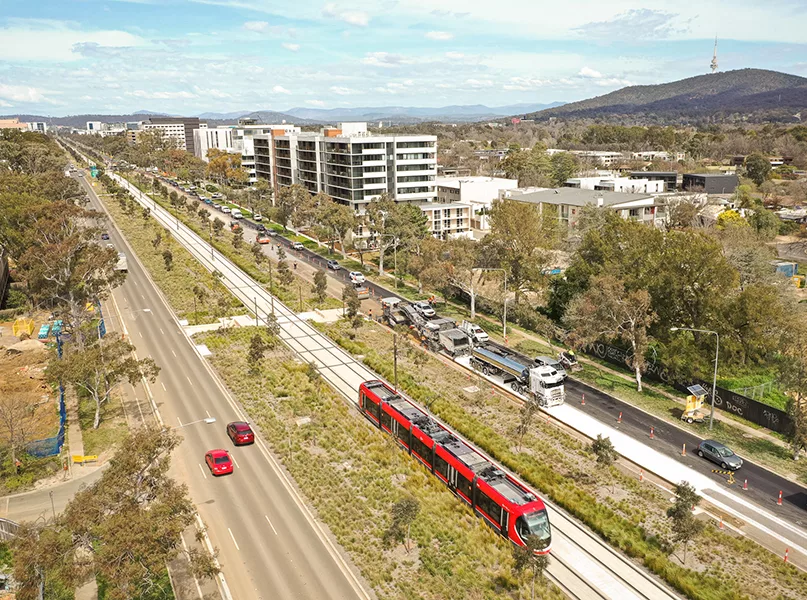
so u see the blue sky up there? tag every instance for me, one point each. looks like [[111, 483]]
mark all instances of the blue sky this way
[[62, 57]]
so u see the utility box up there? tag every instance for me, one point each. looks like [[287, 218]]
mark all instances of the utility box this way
[[786, 268]]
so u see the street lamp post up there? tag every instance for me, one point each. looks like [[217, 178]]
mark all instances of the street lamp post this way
[[714, 378], [504, 310], [208, 421]]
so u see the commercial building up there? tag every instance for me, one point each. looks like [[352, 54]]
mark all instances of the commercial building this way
[[670, 178], [613, 183], [567, 203], [95, 126], [479, 192], [178, 128], [651, 155], [711, 183], [350, 164], [13, 124], [448, 221], [38, 126]]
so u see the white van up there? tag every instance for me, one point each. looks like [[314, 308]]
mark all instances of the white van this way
[[236, 214]]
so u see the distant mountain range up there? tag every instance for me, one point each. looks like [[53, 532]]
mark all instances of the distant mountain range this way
[[745, 94]]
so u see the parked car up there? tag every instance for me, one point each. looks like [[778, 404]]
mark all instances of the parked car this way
[[217, 196], [357, 277], [297, 246], [240, 433], [548, 361], [257, 216], [237, 214], [720, 454], [262, 238], [226, 210], [272, 233], [219, 462], [425, 309], [105, 236], [333, 265], [208, 201], [217, 206]]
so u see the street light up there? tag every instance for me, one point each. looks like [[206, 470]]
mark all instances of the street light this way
[[504, 311], [714, 378]]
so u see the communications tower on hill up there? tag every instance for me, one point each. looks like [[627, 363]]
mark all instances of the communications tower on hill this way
[[714, 57]]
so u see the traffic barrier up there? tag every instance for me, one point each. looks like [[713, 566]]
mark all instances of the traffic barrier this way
[[779, 501], [583, 401], [619, 419], [787, 551], [730, 480], [684, 449], [652, 431], [745, 485]]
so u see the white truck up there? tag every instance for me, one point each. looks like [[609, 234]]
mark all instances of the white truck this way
[[475, 332], [122, 264]]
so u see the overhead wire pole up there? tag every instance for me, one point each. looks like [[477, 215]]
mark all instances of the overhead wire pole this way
[[717, 356]]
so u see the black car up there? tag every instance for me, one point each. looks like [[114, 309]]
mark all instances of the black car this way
[[261, 227], [105, 236]]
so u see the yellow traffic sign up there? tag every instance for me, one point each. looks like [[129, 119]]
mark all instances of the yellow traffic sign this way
[[730, 480]]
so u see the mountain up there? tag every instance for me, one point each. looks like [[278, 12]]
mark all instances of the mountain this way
[[748, 94], [150, 113], [404, 114], [80, 121], [223, 116]]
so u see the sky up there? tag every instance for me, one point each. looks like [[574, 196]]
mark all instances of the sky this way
[[60, 57]]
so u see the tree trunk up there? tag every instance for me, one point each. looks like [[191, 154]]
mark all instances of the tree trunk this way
[[381, 261], [97, 421], [638, 378]]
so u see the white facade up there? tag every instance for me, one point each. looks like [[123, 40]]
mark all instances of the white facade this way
[[351, 165], [217, 138], [38, 126], [94, 126], [600, 157], [625, 185], [174, 131], [448, 221], [651, 155]]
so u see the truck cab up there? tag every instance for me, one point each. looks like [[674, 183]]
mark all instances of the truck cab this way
[[475, 332]]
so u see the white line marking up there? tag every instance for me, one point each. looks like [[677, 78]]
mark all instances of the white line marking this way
[[180, 422], [140, 334], [208, 414], [202, 470], [234, 461], [142, 296], [189, 380], [161, 331], [174, 353], [234, 542], [196, 581], [270, 524], [162, 384]]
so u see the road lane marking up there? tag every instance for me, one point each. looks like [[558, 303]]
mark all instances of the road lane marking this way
[[270, 524], [142, 296], [234, 461], [208, 414], [189, 380], [180, 422], [234, 542], [202, 470], [162, 384], [196, 581], [140, 334], [174, 353], [161, 331]]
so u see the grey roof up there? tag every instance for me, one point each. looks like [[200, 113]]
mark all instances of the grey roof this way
[[576, 197]]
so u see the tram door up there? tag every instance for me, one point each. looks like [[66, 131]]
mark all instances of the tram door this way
[[504, 522], [452, 477]]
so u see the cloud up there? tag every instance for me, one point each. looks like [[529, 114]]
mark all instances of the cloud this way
[[5, 104], [21, 93], [211, 92], [455, 55], [342, 91], [42, 40], [613, 82], [352, 17], [259, 26], [183, 94], [279, 89], [291, 47], [449, 13], [315, 102], [442, 36], [523, 84], [385, 59], [479, 83], [590, 73], [636, 23]]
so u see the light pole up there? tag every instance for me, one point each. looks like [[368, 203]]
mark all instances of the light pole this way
[[504, 310], [208, 421], [714, 378]]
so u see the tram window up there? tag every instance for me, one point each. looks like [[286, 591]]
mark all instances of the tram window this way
[[403, 434], [386, 419], [484, 502], [464, 485], [441, 466], [421, 449]]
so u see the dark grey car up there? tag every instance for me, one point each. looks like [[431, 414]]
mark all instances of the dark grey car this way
[[719, 454]]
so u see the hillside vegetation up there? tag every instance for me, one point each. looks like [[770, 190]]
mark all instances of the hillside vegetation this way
[[744, 93]]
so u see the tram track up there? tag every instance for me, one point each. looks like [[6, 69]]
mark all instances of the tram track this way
[[581, 564]]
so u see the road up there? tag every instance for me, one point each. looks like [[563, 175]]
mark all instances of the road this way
[[269, 544]]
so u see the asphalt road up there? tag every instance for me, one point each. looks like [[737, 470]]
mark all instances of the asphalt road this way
[[269, 546]]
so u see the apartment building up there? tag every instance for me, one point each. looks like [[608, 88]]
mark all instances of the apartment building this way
[[350, 164], [447, 221], [238, 139], [178, 128], [599, 157], [614, 183]]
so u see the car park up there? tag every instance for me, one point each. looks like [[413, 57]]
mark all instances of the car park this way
[[357, 277], [219, 462], [425, 309], [333, 265], [719, 454], [297, 246], [240, 433]]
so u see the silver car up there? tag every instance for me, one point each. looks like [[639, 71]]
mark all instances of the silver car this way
[[720, 454], [548, 361]]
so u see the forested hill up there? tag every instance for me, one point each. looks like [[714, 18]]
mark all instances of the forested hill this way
[[753, 94]]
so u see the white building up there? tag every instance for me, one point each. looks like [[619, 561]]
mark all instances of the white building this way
[[38, 126], [351, 164], [613, 183], [479, 192], [179, 129], [94, 126], [447, 221], [600, 157], [651, 155]]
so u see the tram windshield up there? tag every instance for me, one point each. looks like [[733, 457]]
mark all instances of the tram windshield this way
[[536, 523]]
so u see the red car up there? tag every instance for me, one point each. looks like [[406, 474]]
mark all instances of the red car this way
[[219, 462], [240, 433]]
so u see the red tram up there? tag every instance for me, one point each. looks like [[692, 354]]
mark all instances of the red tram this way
[[507, 506]]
